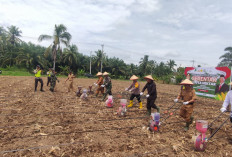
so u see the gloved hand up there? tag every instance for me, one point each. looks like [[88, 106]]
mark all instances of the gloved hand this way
[[103, 85], [175, 100], [126, 89], [147, 95], [186, 103], [141, 93], [95, 84], [130, 90], [223, 109]]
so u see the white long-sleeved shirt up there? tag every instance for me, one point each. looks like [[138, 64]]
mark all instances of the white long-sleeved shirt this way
[[227, 101]]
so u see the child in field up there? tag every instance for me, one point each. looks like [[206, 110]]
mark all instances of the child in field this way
[[188, 96], [152, 94], [135, 91], [38, 78], [70, 78]]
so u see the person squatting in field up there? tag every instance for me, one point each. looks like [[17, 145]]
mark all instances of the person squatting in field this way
[[38, 78], [135, 91], [99, 83], [152, 94], [227, 101], [187, 94], [49, 76], [70, 78], [53, 80], [107, 84]]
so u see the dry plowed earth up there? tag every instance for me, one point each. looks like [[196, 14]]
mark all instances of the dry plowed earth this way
[[60, 124]]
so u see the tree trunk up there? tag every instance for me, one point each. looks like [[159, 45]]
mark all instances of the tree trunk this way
[[54, 60]]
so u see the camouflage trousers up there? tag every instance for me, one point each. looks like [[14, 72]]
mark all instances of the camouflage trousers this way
[[52, 86], [108, 91]]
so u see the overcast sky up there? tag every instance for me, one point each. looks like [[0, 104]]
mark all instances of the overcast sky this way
[[182, 30]]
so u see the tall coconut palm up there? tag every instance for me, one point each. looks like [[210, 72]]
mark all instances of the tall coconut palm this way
[[2, 39], [143, 64], [70, 55], [100, 57], [171, 64], [151, 66], [60, 36], [226, 58], [13, 35]]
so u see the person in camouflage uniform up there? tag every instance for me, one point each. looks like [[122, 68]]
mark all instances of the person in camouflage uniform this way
[[107, 84], [53, 80]]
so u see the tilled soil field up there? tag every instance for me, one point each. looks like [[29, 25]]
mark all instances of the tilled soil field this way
[[60, 124]]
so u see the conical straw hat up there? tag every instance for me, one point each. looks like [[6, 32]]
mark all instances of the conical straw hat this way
[[149, 77], [134, 77], [186, 81], [99, 74], [105, 73]]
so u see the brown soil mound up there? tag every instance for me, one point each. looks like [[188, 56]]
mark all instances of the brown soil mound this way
[[60, 124]]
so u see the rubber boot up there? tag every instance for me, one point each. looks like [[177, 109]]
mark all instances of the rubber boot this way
[[41, 88], [140, 105], [130, 104], [104, 96], [191, 119], [148, 112], [186, 128], [158, 109], [96, 95]]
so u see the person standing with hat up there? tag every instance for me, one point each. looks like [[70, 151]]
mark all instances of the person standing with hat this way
[[70, 78], [188, 96], [107, 84], [99, 83], [135, 91], [49, 76], [38, 78], [152, 94]]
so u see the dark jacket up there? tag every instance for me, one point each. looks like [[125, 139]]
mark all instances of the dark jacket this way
[[224, 88], [151, 89]]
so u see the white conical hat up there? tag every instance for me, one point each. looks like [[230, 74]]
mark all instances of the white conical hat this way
[[149, 77], [186, 81], [105, 73], [134, 77], [99, 74]]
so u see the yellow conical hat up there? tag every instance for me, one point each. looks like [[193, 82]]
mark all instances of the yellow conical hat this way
[[186, 81], [99, 74], [149, 77], [105, 73], [134, 77]]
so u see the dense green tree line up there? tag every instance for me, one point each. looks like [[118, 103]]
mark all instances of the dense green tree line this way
[[15, 52]]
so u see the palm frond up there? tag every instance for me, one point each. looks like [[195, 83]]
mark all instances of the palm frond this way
[[44, 37]]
